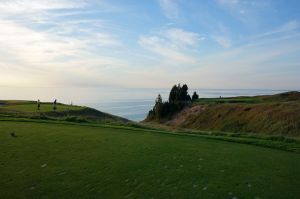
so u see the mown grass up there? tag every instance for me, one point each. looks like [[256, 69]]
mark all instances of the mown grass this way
[[291, 144], [63, 112], [26, 106], [48, 160], [282, 97], [243, 100]]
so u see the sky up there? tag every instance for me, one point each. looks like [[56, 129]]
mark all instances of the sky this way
[[240, 44]]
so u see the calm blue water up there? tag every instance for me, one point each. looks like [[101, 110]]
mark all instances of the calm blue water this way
[[131, 103], [134, 109]]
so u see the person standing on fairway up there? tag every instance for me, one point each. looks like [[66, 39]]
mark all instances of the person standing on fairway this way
[[54, 105], [38, 104]]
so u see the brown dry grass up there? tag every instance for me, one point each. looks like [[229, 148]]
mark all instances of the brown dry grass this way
[[277, 114]]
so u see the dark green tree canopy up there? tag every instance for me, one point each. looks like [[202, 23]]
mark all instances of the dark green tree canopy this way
[[178, 99], [179, 94], [159, 99], [195, 96], [174, 93]]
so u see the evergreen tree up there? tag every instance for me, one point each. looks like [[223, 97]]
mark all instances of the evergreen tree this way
[[178, 99], [173, 96], [189, 98], [195, 96], [158, 106], [184, 93]]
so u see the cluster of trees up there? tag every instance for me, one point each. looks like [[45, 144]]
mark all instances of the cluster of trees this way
[[178, 99]]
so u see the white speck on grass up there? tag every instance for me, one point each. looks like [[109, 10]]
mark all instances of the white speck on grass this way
[[195, 185], [62, 173], [43, 165], [92, 189], [204, 188], [249, 185]]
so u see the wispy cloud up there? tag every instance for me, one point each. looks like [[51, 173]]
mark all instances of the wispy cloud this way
[[259, 64], [223, 41], [288, 27], [250, 12], [165, 49], [172, 45], [27, 6], [88, 42], [183, 38], [222, 36], [57, 46], [170, 9]]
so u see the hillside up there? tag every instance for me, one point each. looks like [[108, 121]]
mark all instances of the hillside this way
[[270, 114], [71, 113]]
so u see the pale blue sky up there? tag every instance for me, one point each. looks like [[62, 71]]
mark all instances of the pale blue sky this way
[[150, 43]]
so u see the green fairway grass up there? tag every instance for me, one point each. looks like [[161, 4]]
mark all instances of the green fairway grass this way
[[264, 99], [243, 100], [29, 106], [76, 161], [63, 112]]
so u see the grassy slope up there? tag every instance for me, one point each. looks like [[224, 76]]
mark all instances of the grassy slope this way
[[28, 109], [277, 114], [72, 161]]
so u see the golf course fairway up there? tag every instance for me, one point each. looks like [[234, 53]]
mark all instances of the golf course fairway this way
[[51, 160]]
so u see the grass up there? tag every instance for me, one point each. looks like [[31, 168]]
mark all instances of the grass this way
[[272, 115], [60, 160], [27, 106], [242, 100], [263, 99], [63, 112]]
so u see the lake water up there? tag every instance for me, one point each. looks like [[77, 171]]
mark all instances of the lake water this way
[[131, 103]]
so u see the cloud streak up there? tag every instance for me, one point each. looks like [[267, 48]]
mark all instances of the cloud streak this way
[[71, 47], [170, 9], [29, 6], [173, 45], [87, 42]]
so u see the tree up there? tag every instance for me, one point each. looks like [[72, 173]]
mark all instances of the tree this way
[[158, 99], [183, 93], [195, 96], [158, 106], [178, 99], [173, 96], [188, 98]]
